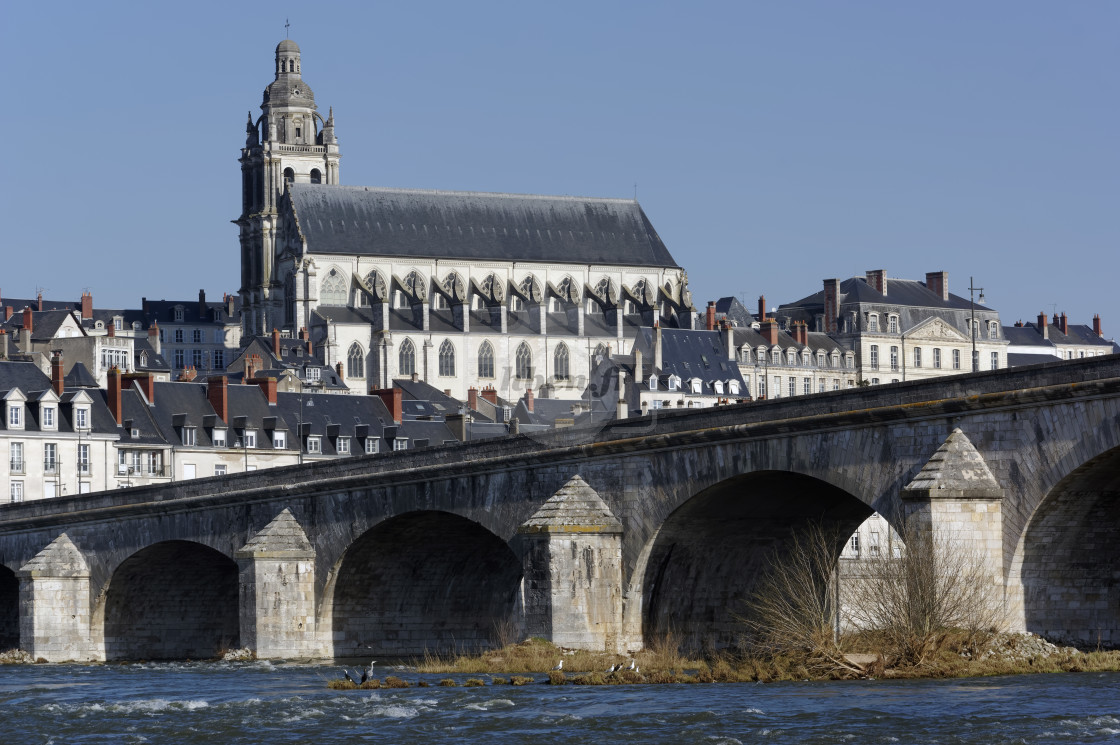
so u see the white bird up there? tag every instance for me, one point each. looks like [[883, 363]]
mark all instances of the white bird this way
[[633, 666], [559, 665], [614, 668]]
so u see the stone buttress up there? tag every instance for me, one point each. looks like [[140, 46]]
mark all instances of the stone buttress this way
[[54, 622], [573, 570], [957, 498], [277, 591]]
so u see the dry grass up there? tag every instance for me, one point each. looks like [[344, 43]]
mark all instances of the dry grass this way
[[394, 682]]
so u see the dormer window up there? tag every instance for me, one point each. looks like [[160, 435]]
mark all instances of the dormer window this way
[[892, 324], [178, 315], [314, 444], [733, 387], [118, 324], [81, 418], [343, 445], [697, 385], [718, 387], [873, 323], [279, 440], [653, 382], [15, 415], [189, 436], [312, 374], [49, 419], [993, 330], [373, 445], [219, 438], [250, 439], [674, 383]]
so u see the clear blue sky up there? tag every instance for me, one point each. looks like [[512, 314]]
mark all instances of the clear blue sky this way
[[773, 144]]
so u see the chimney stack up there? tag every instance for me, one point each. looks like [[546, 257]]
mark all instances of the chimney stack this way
[[529, 399], [8, 313], [1097, 325], [392, 398], [87, 306], [1062, 324], [472, 398], [202, 305], [769, 331], [276, 343], [28, 320], [57, 373], [877, 278], [1042, 328], [638, 364], [761, 308], [217, 393], [303, 334], [657, 346], [938, 283], [621, 410], [40, 300], [153, 337], [114, 394], [146, 381], [710, 322], [268, 386], [3, 344], [489, 393]]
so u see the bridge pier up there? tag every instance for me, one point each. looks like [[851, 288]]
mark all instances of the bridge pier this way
[[573, 571], [54, 602], [276, 595], [956, 501]]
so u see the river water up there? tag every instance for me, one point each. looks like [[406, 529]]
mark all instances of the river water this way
[[265, 703]]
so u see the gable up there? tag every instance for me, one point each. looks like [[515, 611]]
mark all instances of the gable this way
[[936, 330]]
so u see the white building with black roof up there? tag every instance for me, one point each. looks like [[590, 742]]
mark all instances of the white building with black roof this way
[[1043, 341], [903, 329], [461, 288]]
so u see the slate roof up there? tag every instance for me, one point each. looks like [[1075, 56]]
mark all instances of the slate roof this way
[[901, 292], [31, 381], [414, 223], [1016, 359], [79, 377], [1079, 334], [691, 354], [734, 311]]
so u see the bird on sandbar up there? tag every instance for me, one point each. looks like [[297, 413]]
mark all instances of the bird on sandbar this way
[[559, 665], [346, 674], [633, 666]]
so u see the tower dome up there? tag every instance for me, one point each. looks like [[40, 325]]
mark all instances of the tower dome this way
[[287, 58], [287, 46]]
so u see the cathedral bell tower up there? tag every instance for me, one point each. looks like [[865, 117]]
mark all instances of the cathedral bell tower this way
[[289, 143]]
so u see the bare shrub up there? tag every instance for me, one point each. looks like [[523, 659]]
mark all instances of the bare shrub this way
[[937, 584]]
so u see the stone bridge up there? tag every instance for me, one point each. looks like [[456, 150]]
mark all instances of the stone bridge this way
[[605, 541]]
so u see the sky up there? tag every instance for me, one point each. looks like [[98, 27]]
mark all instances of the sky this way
[[772, 145]]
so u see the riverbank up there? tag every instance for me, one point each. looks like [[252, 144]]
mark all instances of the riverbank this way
[[956, 656]]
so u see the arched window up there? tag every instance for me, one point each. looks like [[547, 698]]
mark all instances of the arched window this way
[[560, 363], [447, 358], [523, 369], [316, 176], [407, 358], [355, 362], [486, 360], [289, 175], [333, 289], [600, 353]]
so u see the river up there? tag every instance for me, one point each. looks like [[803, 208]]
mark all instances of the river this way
[[261, 702]]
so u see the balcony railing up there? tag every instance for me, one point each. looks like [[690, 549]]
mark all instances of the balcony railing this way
[[17, 465], [84, 469], [50, 466]]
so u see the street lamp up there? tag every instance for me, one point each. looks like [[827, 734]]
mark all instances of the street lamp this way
[[972, 301]]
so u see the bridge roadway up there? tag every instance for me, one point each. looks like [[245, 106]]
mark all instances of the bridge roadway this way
[[664, 530]]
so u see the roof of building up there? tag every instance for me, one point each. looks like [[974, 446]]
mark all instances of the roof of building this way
[[734, 311], [414, 223], [902, 292], [1077, 334], [1016, 359], [690, 354]]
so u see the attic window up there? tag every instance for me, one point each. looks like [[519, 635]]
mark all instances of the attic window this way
[[312, 374]]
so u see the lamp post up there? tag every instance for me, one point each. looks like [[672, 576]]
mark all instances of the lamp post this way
[[972, 301]]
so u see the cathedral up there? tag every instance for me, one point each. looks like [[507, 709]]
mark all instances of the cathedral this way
[[463, 290]]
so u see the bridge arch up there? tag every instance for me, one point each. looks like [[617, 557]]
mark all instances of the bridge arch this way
[[421, 581], [9, 608], [171, 600], [1065, 567], [696, 572]]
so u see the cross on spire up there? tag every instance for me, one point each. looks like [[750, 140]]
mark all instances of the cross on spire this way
[[286, 26]]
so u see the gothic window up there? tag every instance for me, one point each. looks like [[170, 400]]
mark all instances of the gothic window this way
[[407, 358], [447, 358], [333, 290], [414, 283], [355, 362], [560, 362], [316, 176], [523, 362], [290, 298], [486, 360]]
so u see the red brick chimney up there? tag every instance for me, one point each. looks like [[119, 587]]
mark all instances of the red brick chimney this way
[[1062, 324], [188, 374], [529, 399], [57, 372], [268, 385], [801, 332], [710, 322], [27, 324], [769, 331], [276, 343], [111, 329], [472, 398], [252, 365], [8, 313], [40, 299], [87, 306], [1097, 325], [392, 398], [338, 369], [307, 338], [114, 394], [877, 278], [761, 308], [938, 283], [490, 394], [146, 381], [1042, 328], [217, 393]]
